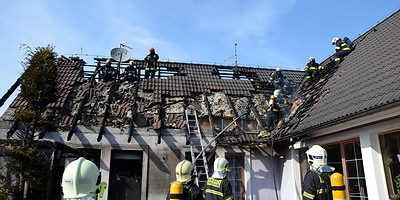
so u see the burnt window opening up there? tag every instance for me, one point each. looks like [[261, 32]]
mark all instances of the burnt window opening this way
[[96, 71], [229, 73]]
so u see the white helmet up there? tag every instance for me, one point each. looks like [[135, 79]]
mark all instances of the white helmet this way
[[131, 62], [184, 171], [317, 157], [311, 59], [221, 168], [278, 69], [277, 93], [334, 40], [108, 61], [79, 179]]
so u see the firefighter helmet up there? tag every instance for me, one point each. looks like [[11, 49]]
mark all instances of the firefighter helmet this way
[[79, 179], [108, 61], [277, 93], [131, 63], [184, 171], [311, 59], [220, 168], [334, 40], [152, 49], [278, 69], [317, 157]]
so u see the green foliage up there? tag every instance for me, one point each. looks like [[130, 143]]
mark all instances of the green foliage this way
[[27, 116], [39, 84], [397, 180], [28, 164]]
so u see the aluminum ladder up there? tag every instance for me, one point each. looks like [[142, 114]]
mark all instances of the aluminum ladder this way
[[196, 143]]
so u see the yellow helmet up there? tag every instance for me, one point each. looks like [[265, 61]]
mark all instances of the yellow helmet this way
[[79, 179], [184, 171]]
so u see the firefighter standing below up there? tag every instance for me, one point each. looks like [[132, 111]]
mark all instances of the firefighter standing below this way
[[316, 184], [79, 181], [342, 49], [218, 187], [151, 64], [185, 174]]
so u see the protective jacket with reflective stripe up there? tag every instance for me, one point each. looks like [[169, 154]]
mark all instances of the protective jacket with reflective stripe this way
[[316, 186], [342, 46], [151, 61], [218, 189]]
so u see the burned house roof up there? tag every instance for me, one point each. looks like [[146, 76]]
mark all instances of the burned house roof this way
[[367, 79], [159, 102]]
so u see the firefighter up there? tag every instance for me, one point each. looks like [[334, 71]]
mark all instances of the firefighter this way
[[311, 69], [218, 187], [151, 64], [276, 78], [185, 175], [109, 73], [79, 181], [273, 114], [316, 184], [130, 73], [342, 49]]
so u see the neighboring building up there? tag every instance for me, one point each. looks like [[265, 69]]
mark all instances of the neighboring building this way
[[354, 112], [139, 134]]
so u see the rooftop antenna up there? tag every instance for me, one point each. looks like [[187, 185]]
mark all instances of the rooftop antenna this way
[[233, 56]]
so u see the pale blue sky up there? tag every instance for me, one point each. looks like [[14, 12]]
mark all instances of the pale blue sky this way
[[280, 33]]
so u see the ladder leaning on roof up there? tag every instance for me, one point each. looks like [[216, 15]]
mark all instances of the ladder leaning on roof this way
[[196, 143]]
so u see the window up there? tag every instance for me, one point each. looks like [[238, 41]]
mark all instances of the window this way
[[236, 175], [354, 170], [390, 145]]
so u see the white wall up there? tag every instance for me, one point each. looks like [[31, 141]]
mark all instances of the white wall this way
[[291, 178]]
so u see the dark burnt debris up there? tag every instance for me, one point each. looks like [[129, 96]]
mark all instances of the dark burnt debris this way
[[218, 93]]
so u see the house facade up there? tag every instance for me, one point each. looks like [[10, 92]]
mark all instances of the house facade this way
[[354, 113]]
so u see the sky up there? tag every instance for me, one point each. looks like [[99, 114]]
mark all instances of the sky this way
[[269, 33]]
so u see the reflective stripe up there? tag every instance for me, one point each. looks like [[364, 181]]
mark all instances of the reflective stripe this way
[[313, 68], [214, 182], [320, 191], [308, 77], [150, 69], [346, 49], [308, 195], [275, 110], [344, 44], [337, 59], [214, 192], [337, 47], [321, 180], [229, 198]]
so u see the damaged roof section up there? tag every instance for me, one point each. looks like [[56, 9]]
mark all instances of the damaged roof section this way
[[161, 102], [367, 79]]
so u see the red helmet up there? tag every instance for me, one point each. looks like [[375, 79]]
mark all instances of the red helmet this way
[[152, 49]]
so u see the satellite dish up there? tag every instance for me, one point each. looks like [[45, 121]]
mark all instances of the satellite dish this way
[[120, 54]]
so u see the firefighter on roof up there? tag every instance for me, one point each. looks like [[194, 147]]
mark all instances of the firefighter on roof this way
[[343, 48], [79, 181], [109, 73], [311, 69], [316, 184], [218, 187], [184, 187], [151, 64], [276, 78], [130, 73]]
